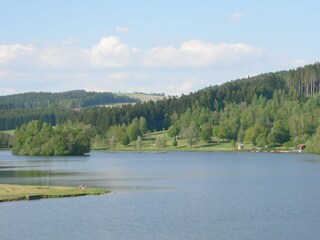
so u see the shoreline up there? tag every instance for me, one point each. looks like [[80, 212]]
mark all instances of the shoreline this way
[[13, 192], [202, 150], [196, 149], [216, 151]]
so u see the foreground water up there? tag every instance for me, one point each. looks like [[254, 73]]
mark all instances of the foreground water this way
[[167, 196]]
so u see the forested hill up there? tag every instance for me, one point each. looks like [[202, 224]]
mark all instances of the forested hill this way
[[271, 109], [293, 86], [268, 109], [65, 100], [298, 84]]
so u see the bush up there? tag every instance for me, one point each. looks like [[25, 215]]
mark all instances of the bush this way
[[288, 144]]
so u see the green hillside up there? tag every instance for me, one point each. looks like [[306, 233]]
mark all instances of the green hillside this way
[[268, 110]]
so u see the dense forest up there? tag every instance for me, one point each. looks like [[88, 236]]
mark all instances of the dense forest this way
[[66, 100], [270, 109]]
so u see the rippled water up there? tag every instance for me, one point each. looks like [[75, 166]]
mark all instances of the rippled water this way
[[167, 196]]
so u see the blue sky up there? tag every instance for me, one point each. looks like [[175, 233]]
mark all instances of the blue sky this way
[[171, 46]]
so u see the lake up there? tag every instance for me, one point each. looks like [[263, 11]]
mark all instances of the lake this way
[[175, 195]]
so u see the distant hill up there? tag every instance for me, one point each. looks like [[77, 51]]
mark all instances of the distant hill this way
[[56, 108], [65, 100]]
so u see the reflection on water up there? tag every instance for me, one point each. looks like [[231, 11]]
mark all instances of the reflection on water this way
[[98, 170], [223, 196], [32, 174], [311, 160], [10, 167], [132, 171]]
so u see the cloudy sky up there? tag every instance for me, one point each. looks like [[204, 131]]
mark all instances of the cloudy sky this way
[[170, 46]]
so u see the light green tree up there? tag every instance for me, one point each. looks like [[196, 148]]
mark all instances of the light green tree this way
[[113, 142], [313, 145], [173, 130], [139, 143], [160, 143], [206, 132], [191, 134], [133, 130], [143, 125]]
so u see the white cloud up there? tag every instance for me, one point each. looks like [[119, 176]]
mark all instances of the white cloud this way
[[126, 76], [12, 75], [51, 56], [235, 16], [3, 73], [118, 75], [63, 56], [171, 69], [110, 52], [198, 53], [122, 29], [135, 50], [10, 52]]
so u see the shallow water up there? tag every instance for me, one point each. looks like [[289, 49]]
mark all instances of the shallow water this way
[[167, 196]]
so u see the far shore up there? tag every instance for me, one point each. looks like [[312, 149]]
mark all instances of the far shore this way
[[171, 149], [10, 192], [197, 150]]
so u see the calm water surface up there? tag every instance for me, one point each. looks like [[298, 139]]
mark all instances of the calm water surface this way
[[167, 196]]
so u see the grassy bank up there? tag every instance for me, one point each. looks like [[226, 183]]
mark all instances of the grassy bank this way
[[149, 139], [10, 192]]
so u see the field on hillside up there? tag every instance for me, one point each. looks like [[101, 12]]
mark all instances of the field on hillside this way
[[117, 104], [142, 96]]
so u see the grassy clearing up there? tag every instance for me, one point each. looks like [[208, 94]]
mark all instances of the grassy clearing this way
[[216, 145], [117, 104], [149, 140], [10, 192], [142, 97]]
